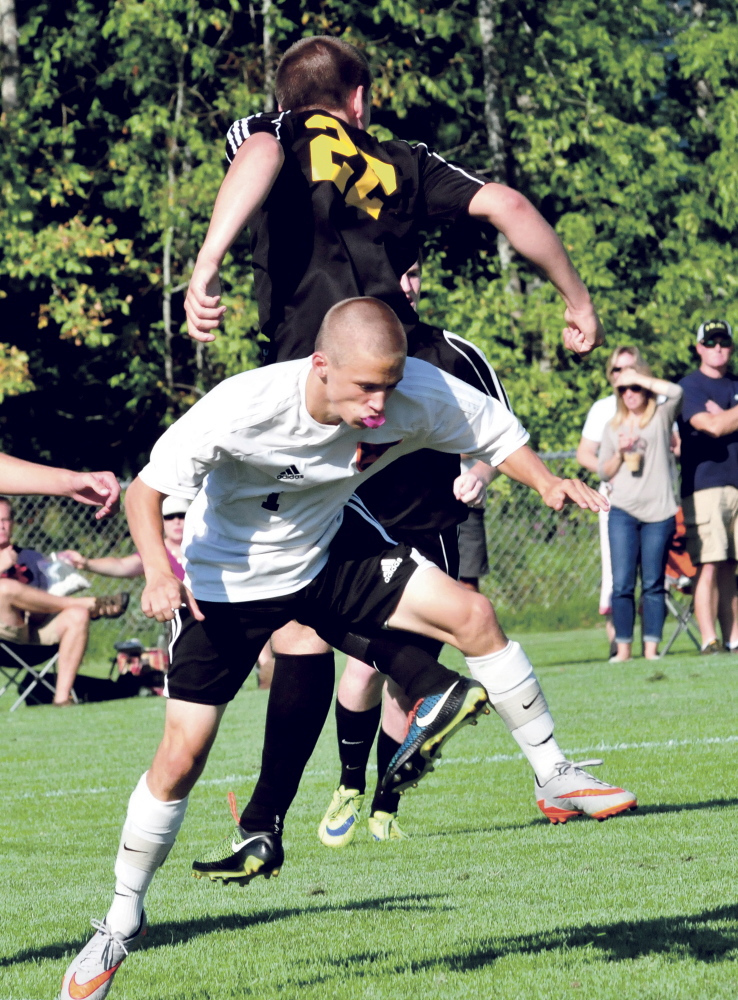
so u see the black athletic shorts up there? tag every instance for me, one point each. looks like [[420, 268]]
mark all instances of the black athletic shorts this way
[[356, 592], [473, 561], [441, 547]]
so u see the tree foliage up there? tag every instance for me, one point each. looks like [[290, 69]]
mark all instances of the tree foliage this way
[[619, 121]]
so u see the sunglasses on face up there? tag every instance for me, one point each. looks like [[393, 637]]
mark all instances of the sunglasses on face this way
[[633, 388], [173, 517], [717, 342]]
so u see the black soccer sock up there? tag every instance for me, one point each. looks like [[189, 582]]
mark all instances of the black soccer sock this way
[[385, 800], [355, 732], [299, 699], [404, 659]]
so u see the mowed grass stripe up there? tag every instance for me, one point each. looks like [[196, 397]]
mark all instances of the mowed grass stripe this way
[[486, 899]]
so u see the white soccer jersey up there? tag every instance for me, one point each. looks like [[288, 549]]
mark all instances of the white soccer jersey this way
[[269, 482]]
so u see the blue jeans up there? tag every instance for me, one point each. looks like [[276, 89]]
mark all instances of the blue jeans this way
[[634, 543]]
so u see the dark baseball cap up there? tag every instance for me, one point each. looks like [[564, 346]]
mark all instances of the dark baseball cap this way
[[714, 328]]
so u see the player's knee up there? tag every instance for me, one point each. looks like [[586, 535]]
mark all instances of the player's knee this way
[[478, 620], [180, 757]]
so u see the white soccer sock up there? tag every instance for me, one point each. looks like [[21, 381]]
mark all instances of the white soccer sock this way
[[516, 696], [149, 831]]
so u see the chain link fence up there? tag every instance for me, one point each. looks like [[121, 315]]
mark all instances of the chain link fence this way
[[538, 556]]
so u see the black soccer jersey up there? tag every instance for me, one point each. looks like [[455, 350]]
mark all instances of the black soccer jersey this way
[[415, 493], [341, 221]]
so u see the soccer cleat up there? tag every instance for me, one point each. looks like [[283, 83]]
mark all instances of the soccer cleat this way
[[338, 826], [241, 856], [90, 975], [573, 792], [384, 826], [432, 722]]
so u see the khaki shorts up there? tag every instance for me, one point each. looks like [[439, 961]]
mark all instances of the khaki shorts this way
[[711, 519], [39, 633]]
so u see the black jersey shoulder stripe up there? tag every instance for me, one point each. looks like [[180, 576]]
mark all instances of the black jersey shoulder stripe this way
[[451, 166], [484, 370], [239, 132], [359, 507], [459, 170]]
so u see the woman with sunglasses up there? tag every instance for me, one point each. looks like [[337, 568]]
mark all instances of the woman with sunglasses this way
[[173, 514], [600, 414], [635, 459]]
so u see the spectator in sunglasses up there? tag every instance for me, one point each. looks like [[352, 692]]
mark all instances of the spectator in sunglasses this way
[[173, 514], [600, 414], [709, 427], [635, 459]]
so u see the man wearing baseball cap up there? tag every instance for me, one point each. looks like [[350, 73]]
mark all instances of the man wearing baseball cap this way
[[709, 429]]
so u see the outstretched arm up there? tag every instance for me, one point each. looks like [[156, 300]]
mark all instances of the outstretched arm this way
[[249, 180], [126, 567], [163, 592], [530, 234], [527, 468], [96, 489]]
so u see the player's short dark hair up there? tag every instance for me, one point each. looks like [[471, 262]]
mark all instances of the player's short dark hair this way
[[320, 72]]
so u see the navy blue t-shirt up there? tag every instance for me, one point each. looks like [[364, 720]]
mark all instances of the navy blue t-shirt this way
[[707, 461]]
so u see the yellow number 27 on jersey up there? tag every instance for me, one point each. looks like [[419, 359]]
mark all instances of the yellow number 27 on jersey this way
[[324, 168]]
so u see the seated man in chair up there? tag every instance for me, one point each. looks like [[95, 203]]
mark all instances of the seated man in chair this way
[[30, 616]]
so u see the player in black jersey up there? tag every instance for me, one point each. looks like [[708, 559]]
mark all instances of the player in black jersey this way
[[334, 213], [414, 499]]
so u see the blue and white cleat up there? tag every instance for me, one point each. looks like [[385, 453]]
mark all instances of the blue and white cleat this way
[[432, 722]]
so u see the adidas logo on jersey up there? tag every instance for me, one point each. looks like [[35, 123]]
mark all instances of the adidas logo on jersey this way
[[291, 473], [388, 568]]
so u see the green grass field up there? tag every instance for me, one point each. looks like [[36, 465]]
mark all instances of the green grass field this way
[[486, 900]]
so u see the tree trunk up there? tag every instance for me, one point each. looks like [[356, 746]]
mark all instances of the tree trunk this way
[[168, 244], [9, 56], [488, 11], [266, 10]]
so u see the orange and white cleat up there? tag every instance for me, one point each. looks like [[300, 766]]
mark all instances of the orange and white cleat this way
[[90, 975], [572, 791]]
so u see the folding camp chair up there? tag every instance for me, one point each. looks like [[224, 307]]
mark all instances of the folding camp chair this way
[[679, 582], [27, 667]]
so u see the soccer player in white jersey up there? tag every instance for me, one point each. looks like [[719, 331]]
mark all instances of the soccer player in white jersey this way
[[256, 556]]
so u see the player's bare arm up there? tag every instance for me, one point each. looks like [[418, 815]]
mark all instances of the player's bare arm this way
[[530, 234], [526, 467], [96, 489], [245, 187], [163, 592]]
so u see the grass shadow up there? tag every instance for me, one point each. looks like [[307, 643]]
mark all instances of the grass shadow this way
[[685, 936], [182, 931]]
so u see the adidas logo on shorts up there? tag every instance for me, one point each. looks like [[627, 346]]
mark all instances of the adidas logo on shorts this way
[[291, 473], [388, 568]]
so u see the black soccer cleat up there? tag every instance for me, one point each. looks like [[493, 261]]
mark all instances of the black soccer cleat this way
[[241, 857]]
